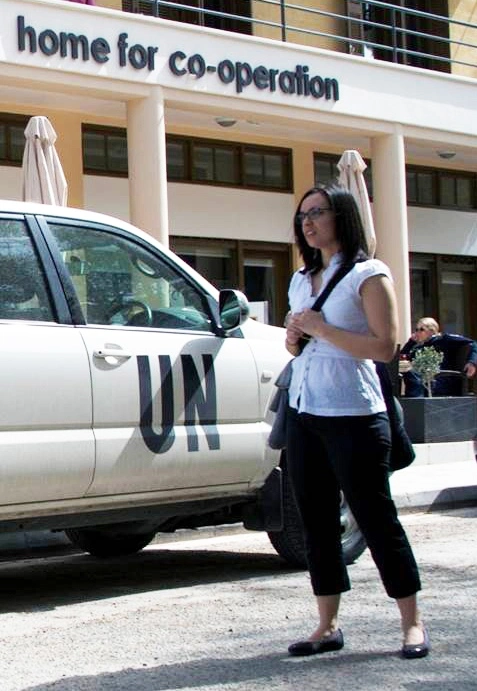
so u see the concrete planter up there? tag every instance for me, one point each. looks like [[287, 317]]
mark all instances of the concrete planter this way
[[440, 419]]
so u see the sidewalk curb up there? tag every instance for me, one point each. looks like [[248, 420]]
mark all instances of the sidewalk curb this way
[[435, 500]]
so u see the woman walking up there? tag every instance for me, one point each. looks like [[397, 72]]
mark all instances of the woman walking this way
[[338, 434]]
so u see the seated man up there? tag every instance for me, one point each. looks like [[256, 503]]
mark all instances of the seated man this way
[[427, 334]]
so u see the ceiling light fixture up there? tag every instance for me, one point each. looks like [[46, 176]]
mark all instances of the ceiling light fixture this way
[[446, 154], [225, 122]]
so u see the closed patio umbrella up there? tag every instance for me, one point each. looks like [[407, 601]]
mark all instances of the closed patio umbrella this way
[[351, 167], [43, 177]]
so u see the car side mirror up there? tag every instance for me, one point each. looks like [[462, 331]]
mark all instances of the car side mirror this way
[[233, 309]]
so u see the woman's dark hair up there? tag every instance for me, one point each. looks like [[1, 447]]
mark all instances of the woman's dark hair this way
[[348, 224]]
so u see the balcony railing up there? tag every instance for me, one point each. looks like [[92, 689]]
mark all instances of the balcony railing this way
[[373, 30]]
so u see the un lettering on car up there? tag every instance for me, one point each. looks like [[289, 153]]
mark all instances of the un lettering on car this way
[[198, 404]]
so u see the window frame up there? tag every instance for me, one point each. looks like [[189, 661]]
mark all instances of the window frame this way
[[69, 288], [9, 120], [436, 174], [188, 145], [106, 132], [239, 149], [333, 159]]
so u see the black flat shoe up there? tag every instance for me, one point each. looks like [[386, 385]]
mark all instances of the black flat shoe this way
[[334, 641], [420, 650]]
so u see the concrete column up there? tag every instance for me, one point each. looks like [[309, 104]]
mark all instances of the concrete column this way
[[390, 218], [147, 165], [303, 179]]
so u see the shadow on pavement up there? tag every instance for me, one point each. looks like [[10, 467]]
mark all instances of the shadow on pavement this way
[[220, 672], [42, 584]]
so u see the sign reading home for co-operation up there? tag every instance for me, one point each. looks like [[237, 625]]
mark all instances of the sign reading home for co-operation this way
[[72, 46]]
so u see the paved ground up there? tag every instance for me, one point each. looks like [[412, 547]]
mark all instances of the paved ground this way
[[218, 614]]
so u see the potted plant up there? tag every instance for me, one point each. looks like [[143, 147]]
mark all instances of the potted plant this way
[[427, 363], [439, 418]]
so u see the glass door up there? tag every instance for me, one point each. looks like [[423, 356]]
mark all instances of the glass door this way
[[423, 288], [266, 273], [217, 262], [260, 269]]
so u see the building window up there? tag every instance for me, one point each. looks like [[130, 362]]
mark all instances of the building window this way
[[228, 163], [214, 163], [414, 35], [456, 191], [201, 12], [420, 187], [449, 189], [105, 151], [265, 169], [12, 139], [176, 160], [326, 170], [193, 160]]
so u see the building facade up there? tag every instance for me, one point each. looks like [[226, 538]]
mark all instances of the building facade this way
[[204, 123]]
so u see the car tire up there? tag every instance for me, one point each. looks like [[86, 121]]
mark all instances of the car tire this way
[[103, 544], [289, 543]]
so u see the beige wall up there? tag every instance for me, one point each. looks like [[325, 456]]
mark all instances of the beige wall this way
[[305, 20], [465, 11], [69, 147], [110, 4]]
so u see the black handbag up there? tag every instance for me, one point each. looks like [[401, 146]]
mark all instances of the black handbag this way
[[278, 434], [402, 450]]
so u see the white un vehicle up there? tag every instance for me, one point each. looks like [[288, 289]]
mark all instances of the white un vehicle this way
[[134, 396]]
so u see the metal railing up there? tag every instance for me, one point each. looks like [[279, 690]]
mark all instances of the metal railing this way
[[372, 29]]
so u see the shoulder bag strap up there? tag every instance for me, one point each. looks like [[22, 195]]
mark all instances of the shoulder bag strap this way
[[334, 280]]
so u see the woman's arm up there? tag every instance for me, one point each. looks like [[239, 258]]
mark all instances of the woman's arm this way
[[379, 304]]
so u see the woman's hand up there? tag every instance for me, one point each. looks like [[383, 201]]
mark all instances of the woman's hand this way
[[379, 343], [294, 333], [310, 322]]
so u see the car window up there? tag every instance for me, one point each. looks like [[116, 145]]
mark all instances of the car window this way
[[121, 282], [23, 291]]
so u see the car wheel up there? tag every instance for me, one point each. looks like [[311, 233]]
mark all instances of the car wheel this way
[[101, 543], [289, 544]]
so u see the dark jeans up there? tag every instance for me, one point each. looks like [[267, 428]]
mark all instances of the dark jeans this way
[[328, 453]]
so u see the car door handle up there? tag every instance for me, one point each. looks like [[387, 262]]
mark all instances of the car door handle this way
[[105, 353]]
